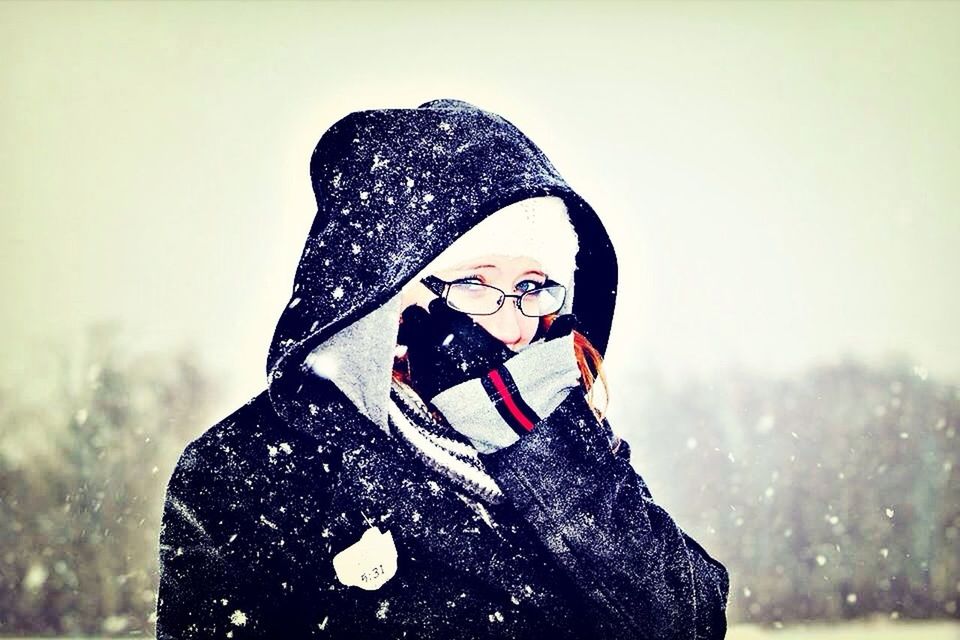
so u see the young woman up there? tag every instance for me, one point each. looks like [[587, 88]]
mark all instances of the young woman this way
[[431, 458]]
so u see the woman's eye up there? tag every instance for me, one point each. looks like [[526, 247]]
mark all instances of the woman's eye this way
[[528, 285], [469, 280]]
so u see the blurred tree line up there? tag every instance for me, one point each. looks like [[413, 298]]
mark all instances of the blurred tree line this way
[[82, 476], [829, 495]]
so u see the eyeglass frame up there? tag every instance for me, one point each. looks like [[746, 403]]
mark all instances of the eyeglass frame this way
[[441, 288]]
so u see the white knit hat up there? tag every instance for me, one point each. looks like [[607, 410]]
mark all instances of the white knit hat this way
[[537, 228]]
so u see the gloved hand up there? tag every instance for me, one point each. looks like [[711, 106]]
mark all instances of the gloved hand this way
[[503, 404], [446, 347]]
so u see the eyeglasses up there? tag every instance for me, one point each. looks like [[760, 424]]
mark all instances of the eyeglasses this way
[[477, 299]]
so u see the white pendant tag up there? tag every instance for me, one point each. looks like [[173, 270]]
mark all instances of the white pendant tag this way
[[369, 562]]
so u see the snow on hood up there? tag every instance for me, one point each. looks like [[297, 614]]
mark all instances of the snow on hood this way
[[394, 188]]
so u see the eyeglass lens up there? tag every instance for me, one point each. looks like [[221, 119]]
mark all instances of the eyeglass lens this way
[[542, 302]]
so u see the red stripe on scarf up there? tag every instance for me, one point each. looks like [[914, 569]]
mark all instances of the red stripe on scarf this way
[[508, 400]]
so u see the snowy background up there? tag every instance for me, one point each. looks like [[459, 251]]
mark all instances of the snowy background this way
[[780, 181]]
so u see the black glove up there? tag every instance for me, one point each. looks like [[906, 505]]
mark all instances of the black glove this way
[[446, 347], [498, 408], [561, 326]]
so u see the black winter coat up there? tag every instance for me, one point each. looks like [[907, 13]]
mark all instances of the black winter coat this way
[[261, 503]]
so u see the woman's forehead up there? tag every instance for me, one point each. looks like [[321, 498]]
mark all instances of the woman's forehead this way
[[500, 263]]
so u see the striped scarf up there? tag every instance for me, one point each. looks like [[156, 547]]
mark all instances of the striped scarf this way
[[438, 445]]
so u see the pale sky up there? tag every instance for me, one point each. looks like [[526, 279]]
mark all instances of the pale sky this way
[[781, 181]]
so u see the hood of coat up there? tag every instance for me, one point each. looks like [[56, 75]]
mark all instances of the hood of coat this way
[[394, 188]]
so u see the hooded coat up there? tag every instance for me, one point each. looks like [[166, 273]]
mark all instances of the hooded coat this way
[[260, 505]]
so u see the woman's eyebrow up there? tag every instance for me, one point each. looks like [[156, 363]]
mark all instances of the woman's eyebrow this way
[[493, 266], [469, 267]]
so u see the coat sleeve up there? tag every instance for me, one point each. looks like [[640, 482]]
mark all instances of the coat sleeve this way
[[595, 515]]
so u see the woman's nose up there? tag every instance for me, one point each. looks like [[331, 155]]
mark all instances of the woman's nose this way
[[505, 324]]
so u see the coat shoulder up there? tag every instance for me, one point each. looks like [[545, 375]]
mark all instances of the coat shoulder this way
[[247, 461], [256, 416]]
